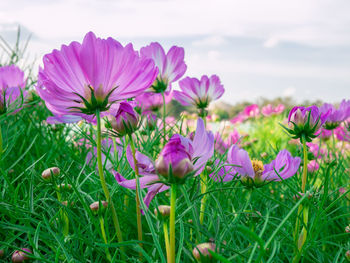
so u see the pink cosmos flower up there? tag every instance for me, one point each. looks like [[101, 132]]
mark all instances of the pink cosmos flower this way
[[150, 101], [12, 88], [254, 172], [221, 146], [335, 116], [251, 111], [313, 166], [306, 122], [171, 65], [239, 118], [199, 92], [80, 79], [269, 110], [199, 151]]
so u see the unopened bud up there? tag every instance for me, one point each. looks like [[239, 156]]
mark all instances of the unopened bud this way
[[46, 174], [96, 205], [347, 229], [21, 256], [164, 211], [201, 252], [2, 253]]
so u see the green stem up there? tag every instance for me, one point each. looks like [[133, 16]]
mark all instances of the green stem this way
[[204, 181], [166, 239], [102, 224], [116, 153], [138, 207], [303, 182], [1, 147], [172, 222], [103, 180], [164, 114], [301, 238], [63, 214]]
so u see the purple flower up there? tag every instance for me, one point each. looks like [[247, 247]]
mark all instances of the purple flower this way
[[150, 101], [12, 92], [225, 173], [199, 92], [306, 122], [199, 151], [171, 65], [175, 160], [81, 79], [255, 173], [125, 121], [335, 116]]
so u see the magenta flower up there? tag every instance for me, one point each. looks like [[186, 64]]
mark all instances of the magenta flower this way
[[313, 166], [199, 151], [239, 118], [335, 116], [125, 121], [269, 110], [174, 160], [306, 122], [251, 111], [255, 173], [81, 79], [12, 88], [171, 65], [150, 101], [199, 92], [221, 146]]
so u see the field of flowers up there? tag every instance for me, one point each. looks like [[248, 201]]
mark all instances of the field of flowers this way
[[94, 168]]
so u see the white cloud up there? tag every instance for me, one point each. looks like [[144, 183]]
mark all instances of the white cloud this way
[[212, 41], [289, 92]]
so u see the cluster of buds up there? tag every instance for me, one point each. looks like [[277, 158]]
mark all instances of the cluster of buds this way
[[305, 122], [125, 122], [49, 172], [95, 206]]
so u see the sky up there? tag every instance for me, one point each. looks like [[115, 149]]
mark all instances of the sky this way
[[268, 48]]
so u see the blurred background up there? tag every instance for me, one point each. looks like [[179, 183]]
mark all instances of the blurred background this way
[[290, 51]]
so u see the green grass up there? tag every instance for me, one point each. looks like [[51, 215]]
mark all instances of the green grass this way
[[29, 209]]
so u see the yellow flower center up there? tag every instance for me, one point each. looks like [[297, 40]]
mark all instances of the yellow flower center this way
[[258, 167]]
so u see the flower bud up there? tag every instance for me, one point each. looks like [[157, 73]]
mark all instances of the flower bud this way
[[174, 155], [126, 120], [2, 253], [96, 205], [46, 174], [347, 229], [164, 211], [305, 122], [21, 256], [201, 252]]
